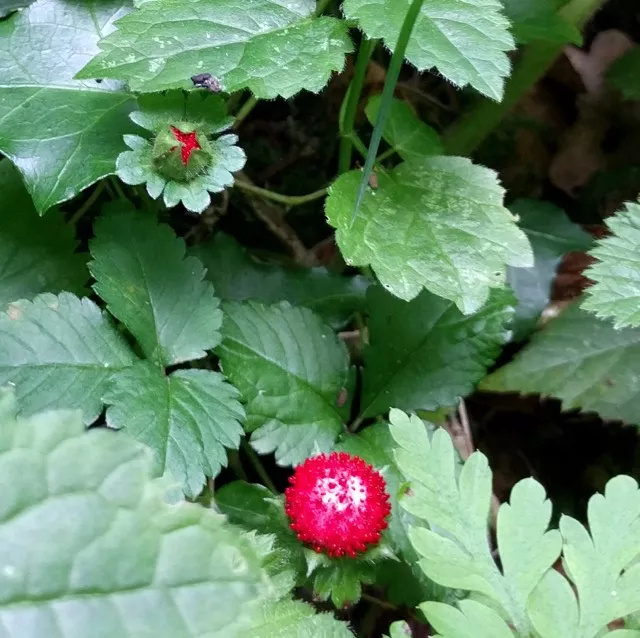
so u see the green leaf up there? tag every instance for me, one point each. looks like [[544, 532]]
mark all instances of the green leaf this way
[[616, 292], [37, 254], [289, 367], [237, 276], [425, 354], [624, 74], [142, 273], [471, 618], [59, 352], [295, 619], [7, 6], [341, 580], [186, 418], [539, 20], [582, 360], [552, 235], [90, 547], [409, 136], [437, 224], [465, 40], [62, 134], [456, 504], [270, 47]]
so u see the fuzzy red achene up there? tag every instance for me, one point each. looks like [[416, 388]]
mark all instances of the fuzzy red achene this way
[[188, 143], [337, 504]]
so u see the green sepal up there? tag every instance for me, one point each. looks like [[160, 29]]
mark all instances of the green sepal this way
[[167, 153]]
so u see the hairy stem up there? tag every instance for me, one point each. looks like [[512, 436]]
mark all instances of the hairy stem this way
[[244, 110], [287, 200], [467, 133], [91, 200]]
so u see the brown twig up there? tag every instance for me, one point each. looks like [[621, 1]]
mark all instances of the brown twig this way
[[273, 218]]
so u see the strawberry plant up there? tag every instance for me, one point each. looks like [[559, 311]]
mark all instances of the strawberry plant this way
[[272, 272]]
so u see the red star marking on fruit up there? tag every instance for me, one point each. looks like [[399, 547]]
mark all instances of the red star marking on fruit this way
[[188, 143], [337, 504]]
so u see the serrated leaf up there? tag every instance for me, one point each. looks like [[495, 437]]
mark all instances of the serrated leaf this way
[[425, 354], [437, 224], [582, 360], [237, 276], [142, 273], [89, 546], [59, 352], [624, 74], [409, 136], [616, 292], [458, 555], [465, 40], [36, 254], [289, 367], [62, 134], [187, 418], [295, 619], [552, 235], [271, 47], [539, 20], [601, 564]]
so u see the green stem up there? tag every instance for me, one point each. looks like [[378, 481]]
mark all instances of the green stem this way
[[236, 465], [91, 200], [467, 133], [350, 108], [383, 156], [393, 73], [244, 110], [115, 183], [287, 200], [257, 465]]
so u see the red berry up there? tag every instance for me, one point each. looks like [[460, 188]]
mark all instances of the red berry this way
[[188, 142], [337, 504]]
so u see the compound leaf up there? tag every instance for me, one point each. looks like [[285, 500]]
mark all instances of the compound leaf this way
[[270, 47], [616, 292], [187, 418], [457, 506], [59, 352], [62, 134], [437, 224], [582, 360], [90, 547], [237, 276], [466, 40], [289, 367], [142, 273], [36, 254], [425, 354]]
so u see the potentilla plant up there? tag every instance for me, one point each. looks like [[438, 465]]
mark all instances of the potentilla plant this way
[[195, 441]]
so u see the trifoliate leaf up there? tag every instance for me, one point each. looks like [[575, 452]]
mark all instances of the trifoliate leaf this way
[[36, 254], [136, 167], [90, 547], [624, 74], [425, 354], [582, 360], [466, 40], [616, 292], [62, 134], [539, 20], [409, 136], [237, 276], [187, 418], [457, 504], [437, 224], [208, 111], [270, 47], [551, 235], [289, 367], [295, 619], [164, 302], [59, 352]]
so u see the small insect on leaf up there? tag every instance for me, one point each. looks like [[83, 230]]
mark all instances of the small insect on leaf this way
[[206, 81], [373, 180]]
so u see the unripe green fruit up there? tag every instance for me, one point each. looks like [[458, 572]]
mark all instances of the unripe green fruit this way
[[181, 153]]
